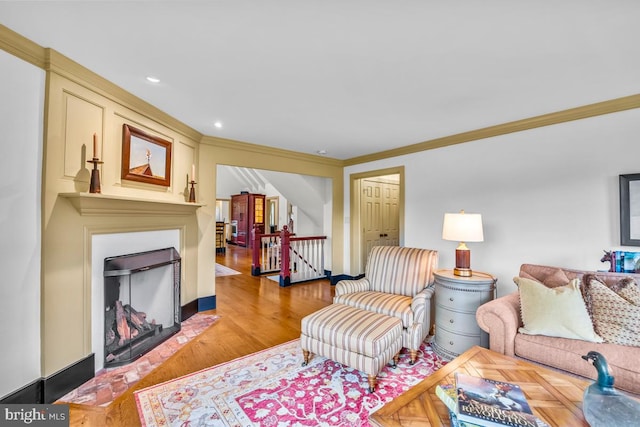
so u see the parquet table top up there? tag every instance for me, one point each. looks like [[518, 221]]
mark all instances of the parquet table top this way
[[554, 397]]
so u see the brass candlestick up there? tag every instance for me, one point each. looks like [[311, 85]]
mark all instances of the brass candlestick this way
[[192, 192], [94, 187]]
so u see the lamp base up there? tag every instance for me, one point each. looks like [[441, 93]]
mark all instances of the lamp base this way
[[463, 261], [462, 272]]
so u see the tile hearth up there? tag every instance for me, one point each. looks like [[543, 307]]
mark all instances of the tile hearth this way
[[110, 383]]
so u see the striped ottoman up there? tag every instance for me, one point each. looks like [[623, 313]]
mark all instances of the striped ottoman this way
[[360, 339]]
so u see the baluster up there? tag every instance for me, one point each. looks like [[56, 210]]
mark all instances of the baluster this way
[[314, 250], [315, 258], [309, 258]]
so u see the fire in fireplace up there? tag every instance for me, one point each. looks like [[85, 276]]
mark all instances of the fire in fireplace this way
[[142, 303]]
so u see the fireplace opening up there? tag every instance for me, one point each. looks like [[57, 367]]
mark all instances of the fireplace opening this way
[[142, 303]]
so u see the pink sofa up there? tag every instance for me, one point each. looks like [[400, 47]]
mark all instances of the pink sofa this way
[[501, 319]]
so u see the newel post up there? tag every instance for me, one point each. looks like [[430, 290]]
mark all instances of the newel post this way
[[285, 273], [256, 249]]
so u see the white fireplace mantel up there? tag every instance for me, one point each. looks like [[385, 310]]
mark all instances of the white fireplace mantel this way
[[103, 204]]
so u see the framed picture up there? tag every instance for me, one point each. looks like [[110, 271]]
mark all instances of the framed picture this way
[[145, 158], [630, 210]]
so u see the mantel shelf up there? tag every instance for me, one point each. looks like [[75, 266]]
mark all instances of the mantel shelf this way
[[94, 204]]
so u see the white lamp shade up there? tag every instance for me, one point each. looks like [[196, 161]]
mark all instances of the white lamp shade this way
[[462, 227]]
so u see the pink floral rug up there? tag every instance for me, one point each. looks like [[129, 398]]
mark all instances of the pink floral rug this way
[[272, 388]]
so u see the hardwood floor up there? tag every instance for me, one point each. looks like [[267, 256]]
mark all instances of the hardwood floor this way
[[255, 314]]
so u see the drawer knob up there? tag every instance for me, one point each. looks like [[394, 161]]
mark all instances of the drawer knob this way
[[450, 342], [451, 299], [451, 321]]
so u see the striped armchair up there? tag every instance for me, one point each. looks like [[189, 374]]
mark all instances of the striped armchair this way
[[398, 282]]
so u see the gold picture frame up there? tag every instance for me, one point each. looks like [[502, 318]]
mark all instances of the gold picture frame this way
[[145, 157]]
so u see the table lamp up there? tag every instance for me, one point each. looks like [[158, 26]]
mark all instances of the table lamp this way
[[462, 227]]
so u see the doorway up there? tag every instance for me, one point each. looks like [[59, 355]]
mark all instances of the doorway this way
[[377, 213], [272, 214], [223, 214]]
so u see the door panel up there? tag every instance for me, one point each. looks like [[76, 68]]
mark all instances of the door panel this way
[[391, 215], [372, 216]]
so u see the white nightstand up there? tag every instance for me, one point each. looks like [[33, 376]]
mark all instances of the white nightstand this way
[[457, 299]]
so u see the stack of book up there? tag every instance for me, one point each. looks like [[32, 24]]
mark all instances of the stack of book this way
[[481, 402], [625, 261]]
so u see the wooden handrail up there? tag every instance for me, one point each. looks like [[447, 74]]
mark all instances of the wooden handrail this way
[[308, 238]]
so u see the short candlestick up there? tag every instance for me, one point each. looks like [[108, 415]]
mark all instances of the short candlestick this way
[[192, 192], [94, 187]]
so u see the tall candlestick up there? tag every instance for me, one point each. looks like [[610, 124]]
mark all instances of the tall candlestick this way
[[193, 172], [95, 146]]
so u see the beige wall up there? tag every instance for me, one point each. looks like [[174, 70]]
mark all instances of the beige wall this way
[[75, 110]]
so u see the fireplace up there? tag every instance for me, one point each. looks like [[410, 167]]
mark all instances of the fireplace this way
[[141, 303]]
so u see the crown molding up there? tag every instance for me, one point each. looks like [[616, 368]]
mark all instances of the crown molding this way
[[266, 150], [21, 47], [578, 113]]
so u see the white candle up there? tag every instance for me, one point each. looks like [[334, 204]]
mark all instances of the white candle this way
[[193, 173], [95, 146]]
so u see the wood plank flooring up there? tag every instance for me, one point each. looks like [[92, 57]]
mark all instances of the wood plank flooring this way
[[255, 314]]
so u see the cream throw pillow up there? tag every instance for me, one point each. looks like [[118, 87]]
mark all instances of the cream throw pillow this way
[[554, 312]]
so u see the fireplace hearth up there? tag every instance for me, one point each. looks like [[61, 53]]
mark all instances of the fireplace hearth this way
[[142, 303]]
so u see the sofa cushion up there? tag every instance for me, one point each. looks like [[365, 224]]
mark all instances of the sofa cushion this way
[[566, 354], [556, 312], [398, 306], [400, 270], [551, 277], [615, 319]]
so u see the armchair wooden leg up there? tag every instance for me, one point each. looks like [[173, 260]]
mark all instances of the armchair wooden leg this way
[[394, 362], [373, 381], [414, 356], [306, 356]]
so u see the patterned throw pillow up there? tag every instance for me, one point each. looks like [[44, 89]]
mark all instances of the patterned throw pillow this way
[[628, 289], [615, 316]]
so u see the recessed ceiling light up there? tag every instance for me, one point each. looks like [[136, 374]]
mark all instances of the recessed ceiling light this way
[[153, 79], [218, 125]]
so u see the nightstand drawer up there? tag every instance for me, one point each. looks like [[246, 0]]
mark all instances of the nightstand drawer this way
[[454, 344], [463, 323], [461, 300]]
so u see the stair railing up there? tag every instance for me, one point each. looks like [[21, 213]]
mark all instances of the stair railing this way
[[298, 259]]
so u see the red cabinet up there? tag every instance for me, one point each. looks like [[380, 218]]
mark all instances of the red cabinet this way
[[247, 211]]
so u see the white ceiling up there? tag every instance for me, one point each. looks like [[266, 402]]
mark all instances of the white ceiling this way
[[351, 77]]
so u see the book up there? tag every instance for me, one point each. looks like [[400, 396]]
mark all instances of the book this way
[[491, 403], [448, 394]]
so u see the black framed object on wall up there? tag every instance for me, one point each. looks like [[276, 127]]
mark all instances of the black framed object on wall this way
[[630, 209]]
